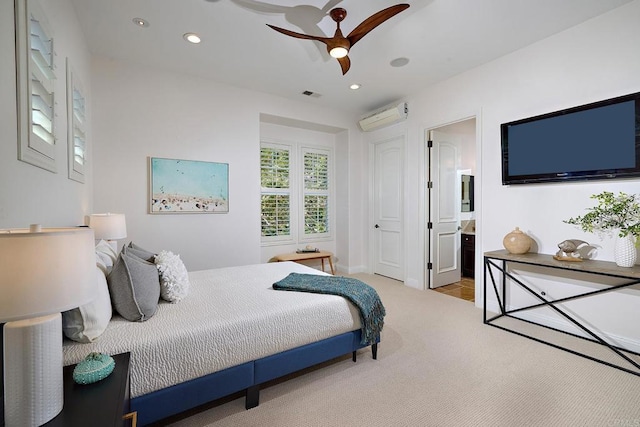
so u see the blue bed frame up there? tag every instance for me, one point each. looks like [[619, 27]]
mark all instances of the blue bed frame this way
[[246, 377]]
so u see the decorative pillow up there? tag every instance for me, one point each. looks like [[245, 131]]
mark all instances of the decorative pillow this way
[[134, 286], [87, 322], [174, 279], [102, 266], [140, 252], [105, 256]]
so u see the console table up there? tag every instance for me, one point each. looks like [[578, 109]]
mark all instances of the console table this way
[[306, 256], [498, 261]]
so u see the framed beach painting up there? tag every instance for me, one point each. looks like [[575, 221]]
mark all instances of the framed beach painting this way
[[188, 186]]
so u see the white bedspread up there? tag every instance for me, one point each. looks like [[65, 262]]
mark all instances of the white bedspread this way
[[231, 316]]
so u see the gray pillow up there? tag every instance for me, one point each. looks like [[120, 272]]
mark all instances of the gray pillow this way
[[134, 286], [140, 252]]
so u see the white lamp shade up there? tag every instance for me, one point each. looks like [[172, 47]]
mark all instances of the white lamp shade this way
[[45, 272], [108, 226]]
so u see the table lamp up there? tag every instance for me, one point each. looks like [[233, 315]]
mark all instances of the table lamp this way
[[109, 227], [43, 271]]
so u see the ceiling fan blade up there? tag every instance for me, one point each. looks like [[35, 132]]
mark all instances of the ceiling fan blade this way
[[330, 5], [298, 35], [373, 21], [345, 64]]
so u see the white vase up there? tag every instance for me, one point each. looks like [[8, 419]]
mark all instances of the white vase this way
[[624, 251]]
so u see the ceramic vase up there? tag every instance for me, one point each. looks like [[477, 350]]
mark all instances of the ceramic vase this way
[[517, 242], [624, 251]]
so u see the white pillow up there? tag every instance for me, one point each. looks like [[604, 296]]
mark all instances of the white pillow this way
[[105, 256], [87, 322], [174, 279]]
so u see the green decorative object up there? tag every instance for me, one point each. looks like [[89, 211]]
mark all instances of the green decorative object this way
[[613, 213], [94, 367]]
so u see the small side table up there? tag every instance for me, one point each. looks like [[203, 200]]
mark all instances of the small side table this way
[[105, 403], [306, 256]]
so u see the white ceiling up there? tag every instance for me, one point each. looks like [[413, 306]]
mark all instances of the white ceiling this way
[[441, 38]]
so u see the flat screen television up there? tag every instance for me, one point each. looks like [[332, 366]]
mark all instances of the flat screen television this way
[[600, 140]]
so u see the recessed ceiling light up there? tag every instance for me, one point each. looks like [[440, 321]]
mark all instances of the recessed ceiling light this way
[[399, 62], [192, 38], [140, 22], [354, 86]]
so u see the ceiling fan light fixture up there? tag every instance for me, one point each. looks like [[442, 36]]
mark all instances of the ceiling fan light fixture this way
[[338, 46], [338, 52]]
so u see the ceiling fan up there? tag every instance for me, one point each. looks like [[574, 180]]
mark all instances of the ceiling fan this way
[[338, 46]]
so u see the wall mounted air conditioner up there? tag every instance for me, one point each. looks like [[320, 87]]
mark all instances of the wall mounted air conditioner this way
[[384, 117]]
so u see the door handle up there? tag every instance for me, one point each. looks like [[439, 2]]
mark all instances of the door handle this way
[[376, 226]]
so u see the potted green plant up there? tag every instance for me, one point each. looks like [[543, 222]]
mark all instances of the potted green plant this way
[[613, 213]]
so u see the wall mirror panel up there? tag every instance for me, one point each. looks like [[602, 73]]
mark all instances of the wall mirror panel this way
[[467, 193]]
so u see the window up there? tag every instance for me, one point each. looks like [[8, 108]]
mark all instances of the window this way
[[36, 94], [316, 192], [76, 125], [276, 193], [295, 184]]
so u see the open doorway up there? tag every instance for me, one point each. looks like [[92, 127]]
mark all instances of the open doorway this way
[[451, 208]]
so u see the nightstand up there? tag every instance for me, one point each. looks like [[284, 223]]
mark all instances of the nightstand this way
[[105, 403]]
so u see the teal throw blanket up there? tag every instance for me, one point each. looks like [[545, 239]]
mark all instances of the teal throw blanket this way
[[363, 296]]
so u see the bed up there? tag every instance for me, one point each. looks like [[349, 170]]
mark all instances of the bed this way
[[231, 333]]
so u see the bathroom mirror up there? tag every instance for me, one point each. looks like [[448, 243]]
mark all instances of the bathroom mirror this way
[[467, 193]]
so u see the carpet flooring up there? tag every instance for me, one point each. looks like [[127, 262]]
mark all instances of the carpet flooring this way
[[439, 365]]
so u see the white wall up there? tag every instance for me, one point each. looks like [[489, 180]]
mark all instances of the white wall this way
[[590, 62], [593, 61], [29, 194], [141, 112]]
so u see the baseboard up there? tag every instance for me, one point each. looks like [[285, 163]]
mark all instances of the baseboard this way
[[628, 343], [345, 269], [413, 283]]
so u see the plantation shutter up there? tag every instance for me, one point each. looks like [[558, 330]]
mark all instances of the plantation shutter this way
[[36, 94], [42, 91], [316, 192], [79, 138], [76, 125], [275, 192]]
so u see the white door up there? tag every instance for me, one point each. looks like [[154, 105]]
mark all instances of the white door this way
[[388, 208], [444, 210]]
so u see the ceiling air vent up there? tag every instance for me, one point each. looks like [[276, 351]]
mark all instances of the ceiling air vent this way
[[311, 94]]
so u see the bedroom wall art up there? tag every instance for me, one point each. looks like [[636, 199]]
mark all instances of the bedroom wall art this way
[[188, 186]]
